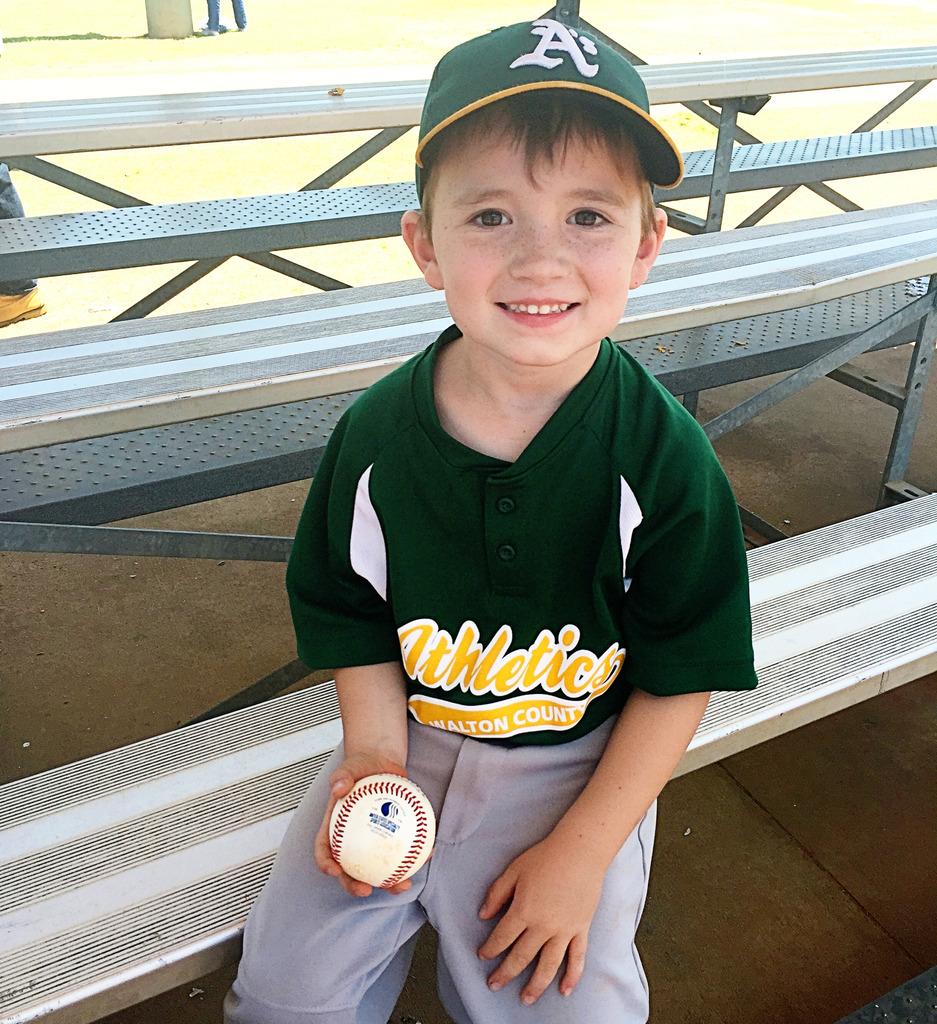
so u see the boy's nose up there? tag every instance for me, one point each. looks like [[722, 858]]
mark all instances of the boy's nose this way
[[540, 254]]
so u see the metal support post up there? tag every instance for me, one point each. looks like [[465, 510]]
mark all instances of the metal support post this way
[[73, 182], [196, 271], [722, 163], [899, 101], [767, 530], [822, 190], [682, 221], [881, 390], [812, 371], [567, 13], [922, 356], [746, 138], [111, 540]]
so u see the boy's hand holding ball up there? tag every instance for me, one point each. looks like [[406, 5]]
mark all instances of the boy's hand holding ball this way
[[378, 829]]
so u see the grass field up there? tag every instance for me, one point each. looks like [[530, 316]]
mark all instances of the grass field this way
[[105, 36], [99, 40]]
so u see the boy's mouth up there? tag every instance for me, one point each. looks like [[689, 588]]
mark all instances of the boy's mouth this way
[[540, 309]]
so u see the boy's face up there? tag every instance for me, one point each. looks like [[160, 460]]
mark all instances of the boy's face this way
[[536, 270]]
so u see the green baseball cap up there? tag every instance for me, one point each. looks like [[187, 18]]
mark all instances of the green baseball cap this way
[[544, 54]]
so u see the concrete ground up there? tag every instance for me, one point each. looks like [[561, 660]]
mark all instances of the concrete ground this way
[[792, 883]]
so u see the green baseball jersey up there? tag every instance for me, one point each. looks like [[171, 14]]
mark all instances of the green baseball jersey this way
[[526, 599]]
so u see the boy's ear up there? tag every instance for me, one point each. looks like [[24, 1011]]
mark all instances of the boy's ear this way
[[413, 229], [648, 249]]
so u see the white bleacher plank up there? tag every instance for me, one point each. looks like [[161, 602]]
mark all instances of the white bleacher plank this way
[[855, 584], [92, 350], [153, 793], [811, 686], [89, 879], [163, 756], [853, 619], [96, 480], [753, 76], [82, 973], [837, 564], [35, 875], [114, 894], [88, 124], [836, 630], [841, 537]]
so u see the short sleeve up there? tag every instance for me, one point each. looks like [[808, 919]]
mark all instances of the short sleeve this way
[[687, 612], [339, 618]]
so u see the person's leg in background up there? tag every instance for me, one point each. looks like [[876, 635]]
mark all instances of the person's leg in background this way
[[214, 26], [214, 17], [240, 15], [19, 300]]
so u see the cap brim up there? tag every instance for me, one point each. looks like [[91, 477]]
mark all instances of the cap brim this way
[[660, 157]]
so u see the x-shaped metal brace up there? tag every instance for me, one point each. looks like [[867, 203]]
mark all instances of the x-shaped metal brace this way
[[101, 193]]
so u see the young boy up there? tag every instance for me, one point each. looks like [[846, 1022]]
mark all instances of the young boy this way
[[524, 564]]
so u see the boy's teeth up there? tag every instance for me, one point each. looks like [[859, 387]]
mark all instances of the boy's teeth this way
[[520, 307]]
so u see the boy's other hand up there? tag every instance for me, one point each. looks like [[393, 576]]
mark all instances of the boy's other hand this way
[[549, 915], [350, 771]]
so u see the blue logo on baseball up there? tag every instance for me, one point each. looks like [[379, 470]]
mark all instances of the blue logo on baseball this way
[[386, 816]]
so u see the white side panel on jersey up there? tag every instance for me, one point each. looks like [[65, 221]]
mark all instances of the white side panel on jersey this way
[[629, 518], [368, 547]]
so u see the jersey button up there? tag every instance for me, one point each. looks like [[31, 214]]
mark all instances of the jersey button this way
[[505, 505], [506, 552]]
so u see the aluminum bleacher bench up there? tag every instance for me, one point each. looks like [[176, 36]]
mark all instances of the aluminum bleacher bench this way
[[97, 480], [94, 124], [72, 243], [801, 161], [131, 872], [252, 226], [90, 419]]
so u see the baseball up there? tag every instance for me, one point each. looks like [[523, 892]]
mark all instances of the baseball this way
[[383, 830]]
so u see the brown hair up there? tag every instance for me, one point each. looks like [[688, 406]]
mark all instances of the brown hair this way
[[543, 124]]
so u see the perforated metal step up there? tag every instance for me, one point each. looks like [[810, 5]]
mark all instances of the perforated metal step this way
[[167, 233], [915, 1002], [798, 161], [147, 235], [103, 479], [756, 346]]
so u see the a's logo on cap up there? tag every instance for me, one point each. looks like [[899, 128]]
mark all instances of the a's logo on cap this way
[[556, 36]]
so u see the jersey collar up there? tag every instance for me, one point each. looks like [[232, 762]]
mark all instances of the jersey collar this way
[[566, 418]]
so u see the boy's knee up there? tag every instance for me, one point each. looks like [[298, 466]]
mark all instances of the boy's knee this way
[[240, 1007]]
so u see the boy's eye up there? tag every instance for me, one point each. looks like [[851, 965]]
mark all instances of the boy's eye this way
[[490, 218], [587, 218]]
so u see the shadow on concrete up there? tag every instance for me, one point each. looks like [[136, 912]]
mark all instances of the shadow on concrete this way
[[85, 36]]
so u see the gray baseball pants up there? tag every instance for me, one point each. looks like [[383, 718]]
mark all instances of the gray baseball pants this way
[[315, 955]]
